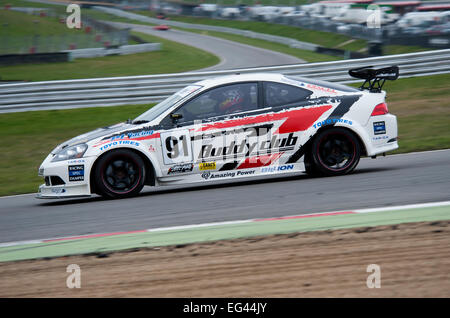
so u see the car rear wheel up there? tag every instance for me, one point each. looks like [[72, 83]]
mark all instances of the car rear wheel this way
[[119, 174], [334, 152]]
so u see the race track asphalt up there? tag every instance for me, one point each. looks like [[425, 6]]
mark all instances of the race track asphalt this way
[[233, 55], [385, 181]]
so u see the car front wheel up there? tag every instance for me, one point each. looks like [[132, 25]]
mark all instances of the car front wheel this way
[[119, 174]]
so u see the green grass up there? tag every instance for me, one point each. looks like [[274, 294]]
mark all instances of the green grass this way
[[401, 49], [23, 3], [19, 32], [28, 137], [173, 57], [15, 23], [422, 106]]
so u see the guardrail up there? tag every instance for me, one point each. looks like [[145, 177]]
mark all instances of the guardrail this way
[[154, 88]]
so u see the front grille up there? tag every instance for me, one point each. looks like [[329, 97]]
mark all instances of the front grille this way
[[53, 181]]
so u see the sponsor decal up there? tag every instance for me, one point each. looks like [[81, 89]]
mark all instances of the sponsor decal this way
[[276, 168], [246, 148], [76, 161], [132, 135], [76, 173], [231, 174], [58, 190], [380, 138], [379, 128], [332, 122], [181, 168], [207, 165], [320, 88], [151, 148], [386, 74], [119, 142]]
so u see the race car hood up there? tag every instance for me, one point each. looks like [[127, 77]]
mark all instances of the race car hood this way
[[95, 134]]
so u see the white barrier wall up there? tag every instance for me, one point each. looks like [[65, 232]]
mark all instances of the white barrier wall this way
[[122, 50]]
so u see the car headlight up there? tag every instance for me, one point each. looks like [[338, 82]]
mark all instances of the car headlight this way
[[73, 152]]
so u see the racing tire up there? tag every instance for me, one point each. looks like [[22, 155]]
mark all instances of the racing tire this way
[[334, 152], [119, 174]]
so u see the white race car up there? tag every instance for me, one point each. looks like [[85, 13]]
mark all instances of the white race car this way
[[227, 128]]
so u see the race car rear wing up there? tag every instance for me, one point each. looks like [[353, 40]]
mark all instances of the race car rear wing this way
[[374, 78]]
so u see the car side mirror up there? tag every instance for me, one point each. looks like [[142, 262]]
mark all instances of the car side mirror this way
[[176, 117]]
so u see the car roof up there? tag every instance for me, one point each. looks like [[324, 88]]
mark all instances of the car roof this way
[[271, 77], [236, 78]]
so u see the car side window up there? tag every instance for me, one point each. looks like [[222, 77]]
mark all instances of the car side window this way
[[221, 101], [278, 94]]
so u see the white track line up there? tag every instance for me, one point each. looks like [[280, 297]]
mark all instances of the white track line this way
[[404, 207]]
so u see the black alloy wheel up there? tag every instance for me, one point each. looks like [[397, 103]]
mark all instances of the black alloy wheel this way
[[120, 173], [335, 151]]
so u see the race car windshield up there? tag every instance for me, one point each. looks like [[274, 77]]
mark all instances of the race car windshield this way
[[161, 107]]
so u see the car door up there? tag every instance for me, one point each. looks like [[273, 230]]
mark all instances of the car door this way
[[210, 131], [289, 116]]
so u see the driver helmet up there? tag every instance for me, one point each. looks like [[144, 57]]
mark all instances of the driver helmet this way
[[233, 100]]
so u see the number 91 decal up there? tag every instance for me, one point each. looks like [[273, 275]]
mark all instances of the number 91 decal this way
[[176, 147]]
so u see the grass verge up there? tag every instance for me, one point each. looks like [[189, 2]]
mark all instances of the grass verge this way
[[28, 137], [422, 105], [172, 58]]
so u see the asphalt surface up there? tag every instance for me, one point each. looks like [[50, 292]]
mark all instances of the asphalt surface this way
[[393, 180], [233, 55]]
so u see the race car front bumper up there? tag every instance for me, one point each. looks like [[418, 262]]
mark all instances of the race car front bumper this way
[[64, 179], [59, 192]]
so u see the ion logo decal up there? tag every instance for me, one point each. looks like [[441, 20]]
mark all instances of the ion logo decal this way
[[276, 168], [379, 128], [76, 173]]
